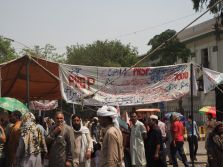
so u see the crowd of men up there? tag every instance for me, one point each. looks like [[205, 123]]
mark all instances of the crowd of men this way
[[26, 142]]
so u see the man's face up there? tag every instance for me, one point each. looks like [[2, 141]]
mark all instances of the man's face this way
[[76, 123], [59, 119], [133, 117], [151, 122]]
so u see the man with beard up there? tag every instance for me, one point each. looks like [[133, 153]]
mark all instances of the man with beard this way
[[112, 147], [215, 146], [60, 142], [154, 144], [83, 143]]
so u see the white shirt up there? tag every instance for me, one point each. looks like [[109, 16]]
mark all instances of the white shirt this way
[[162, 127], [137, 149]]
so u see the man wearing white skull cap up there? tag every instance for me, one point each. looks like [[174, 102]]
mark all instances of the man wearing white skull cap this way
[[153, 117], [112, 147]]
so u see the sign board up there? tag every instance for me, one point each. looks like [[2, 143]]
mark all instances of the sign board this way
[[124, 86]]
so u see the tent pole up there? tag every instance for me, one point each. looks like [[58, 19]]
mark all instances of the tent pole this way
[[27, 82], [0, 82], [192, 108], [74, 111]]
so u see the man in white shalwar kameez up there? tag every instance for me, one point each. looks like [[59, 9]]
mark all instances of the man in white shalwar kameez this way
[[138, 134], [83, 143]]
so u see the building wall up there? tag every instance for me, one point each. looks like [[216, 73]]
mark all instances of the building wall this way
[[220, 55], [215, 57], [196, 38]]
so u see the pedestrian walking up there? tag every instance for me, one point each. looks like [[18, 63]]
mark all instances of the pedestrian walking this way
[[192, 137], [137, 137], [154, 144], [177, 130], [112, 146]]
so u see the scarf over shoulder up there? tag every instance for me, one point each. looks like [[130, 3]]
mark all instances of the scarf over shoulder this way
[[33, 140]]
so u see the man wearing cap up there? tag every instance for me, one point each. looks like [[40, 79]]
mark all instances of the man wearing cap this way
[[138, 134], [95, 130], [177, 130], [112, 147], [96, 136], [154, 144]]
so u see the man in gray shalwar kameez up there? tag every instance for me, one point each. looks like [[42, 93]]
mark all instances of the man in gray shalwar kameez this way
[[61, 143]]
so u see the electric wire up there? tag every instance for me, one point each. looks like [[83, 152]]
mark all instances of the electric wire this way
[[146, 55]]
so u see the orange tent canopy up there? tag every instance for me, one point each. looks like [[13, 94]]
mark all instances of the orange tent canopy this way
[[43, 79], [148, 110]]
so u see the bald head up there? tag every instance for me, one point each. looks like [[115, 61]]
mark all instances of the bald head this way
[[59, 118]]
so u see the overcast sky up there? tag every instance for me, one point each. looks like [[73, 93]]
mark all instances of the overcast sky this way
[[68, 22]]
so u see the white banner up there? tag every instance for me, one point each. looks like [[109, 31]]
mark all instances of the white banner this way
[[124, 86], [43, 106], [211, 79]]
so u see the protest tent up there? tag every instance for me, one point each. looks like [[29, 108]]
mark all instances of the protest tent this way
[[29, 78]]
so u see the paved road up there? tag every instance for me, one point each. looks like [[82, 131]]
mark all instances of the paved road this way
[[201, 155]]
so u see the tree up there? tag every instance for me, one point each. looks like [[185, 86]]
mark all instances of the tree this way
[[102, 53], [7, 52], [48, 52], [199, 4], [171, 52]]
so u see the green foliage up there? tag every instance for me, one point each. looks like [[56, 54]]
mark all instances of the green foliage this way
[[199, 5], [7, 52], [171, 52], [48, 52], [102, 53]]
